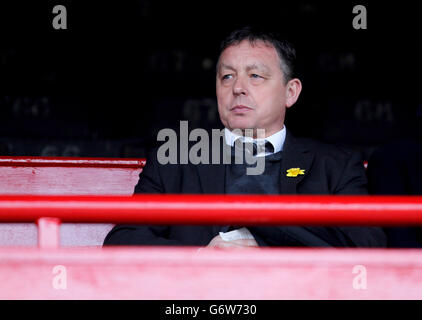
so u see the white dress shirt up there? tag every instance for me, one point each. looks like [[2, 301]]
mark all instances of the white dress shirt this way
[[277, 140]]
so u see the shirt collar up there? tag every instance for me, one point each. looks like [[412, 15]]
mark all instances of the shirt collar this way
[[277, 139]]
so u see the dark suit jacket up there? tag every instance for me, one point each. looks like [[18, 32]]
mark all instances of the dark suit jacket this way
[[329, 170]]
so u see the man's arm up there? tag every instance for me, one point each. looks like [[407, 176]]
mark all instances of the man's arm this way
[[139, 235], [353, 182], [150, 181]]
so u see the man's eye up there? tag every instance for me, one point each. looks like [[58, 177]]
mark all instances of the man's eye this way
[[254, 75], [226, 76]]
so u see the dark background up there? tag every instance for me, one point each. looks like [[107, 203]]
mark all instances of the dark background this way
[[125, 69]]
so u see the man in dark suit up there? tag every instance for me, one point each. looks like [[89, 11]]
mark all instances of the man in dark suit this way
[[255, 84]]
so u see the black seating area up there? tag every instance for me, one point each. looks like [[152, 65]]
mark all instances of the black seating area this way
[[107, 85]]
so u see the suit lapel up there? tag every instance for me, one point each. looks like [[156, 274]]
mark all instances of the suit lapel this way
[[295, 155], [212, 176]]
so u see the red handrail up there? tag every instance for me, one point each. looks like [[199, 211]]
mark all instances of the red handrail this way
[[50, 211], [212, 209], [18, 161], [127, 273]]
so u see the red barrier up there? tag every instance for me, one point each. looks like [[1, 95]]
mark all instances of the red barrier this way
[[50, 211], [220, 209], [65, 176], [186, 273], [61, 175], [6, 161], [232, 274]]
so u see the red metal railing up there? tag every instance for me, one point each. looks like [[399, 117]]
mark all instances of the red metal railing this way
[[49, 211], [18, 161], [185, 273]]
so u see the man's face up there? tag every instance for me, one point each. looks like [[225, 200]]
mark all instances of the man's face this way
[[251, 91]]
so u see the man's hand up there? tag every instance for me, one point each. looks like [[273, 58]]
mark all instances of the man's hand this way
[[218, 242]]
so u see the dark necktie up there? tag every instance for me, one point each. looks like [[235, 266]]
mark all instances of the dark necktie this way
[[255, 147]]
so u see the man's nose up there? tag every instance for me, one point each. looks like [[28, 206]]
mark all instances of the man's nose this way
[[239, 87]]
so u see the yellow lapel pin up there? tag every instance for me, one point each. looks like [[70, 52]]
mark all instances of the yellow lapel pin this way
[[294, 172]]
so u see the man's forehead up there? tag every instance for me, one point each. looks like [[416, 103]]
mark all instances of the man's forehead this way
[[251, 45], [257, 54], [249, 66]]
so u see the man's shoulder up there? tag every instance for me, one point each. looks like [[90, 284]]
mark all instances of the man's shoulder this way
[[323, 149], [335, 169]]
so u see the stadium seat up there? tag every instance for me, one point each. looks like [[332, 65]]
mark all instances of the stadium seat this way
[[64, 176]]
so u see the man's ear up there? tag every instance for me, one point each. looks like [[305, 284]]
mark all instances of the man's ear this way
[[293, 89]]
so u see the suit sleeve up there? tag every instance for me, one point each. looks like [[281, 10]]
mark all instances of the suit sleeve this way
[[150, 181], [353, 182]]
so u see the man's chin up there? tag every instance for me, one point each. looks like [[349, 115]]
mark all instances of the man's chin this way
[[242, 125], [248, 130], [242, 129]]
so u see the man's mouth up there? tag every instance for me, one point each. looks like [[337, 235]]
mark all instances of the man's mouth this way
[[240, 108]]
